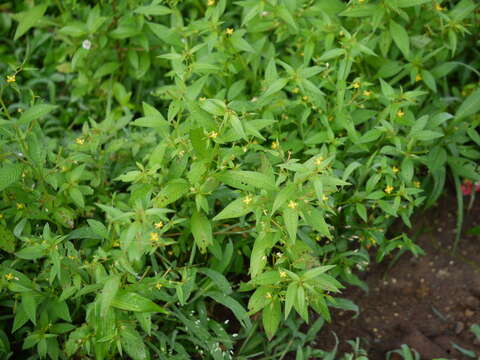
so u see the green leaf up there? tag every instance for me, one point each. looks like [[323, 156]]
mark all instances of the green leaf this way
[[313, 273], [427, 135], [173, 191], [470, 106], [246, 179], [408, 3], [235, 209], [258, 300], [241, 44], [7, 240], [218, 279], [275, 87], [316, 220], [77, 197], [29, 305], [233, 305], [290, 297], [98, 228], [28, 19], [153, 10], [400, 37], [361, 211], [109, 292], [9, 174], [201, 230], [133, 343], [271, 318], [290, 217], [35, 112], [31, 252], [131, 301], [283, 196]]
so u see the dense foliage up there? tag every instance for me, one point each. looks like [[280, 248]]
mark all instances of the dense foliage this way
[[176, 175]]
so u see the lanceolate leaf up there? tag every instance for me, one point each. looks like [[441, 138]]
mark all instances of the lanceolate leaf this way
[[202, 230], [131, 301]]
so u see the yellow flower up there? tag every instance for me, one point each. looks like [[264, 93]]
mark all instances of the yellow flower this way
[[296, 90], [324, 197], [248, 199], [202, 98], [388, 189], [229, 31], [283, 274], [367, 93], [9, 276], [274, 145], [20, 206], [1, 216], [11, 78], [356, 85], [158, 285], [439, 7], [292, 205], [79, 141], [418, 77], [210, 2], [361, 1], [305, 98], [159, 225], [416, 184], [213, 135], [400, 113], [268, 295], [395, 169], [154, 236], [116, 244], [319, 160]]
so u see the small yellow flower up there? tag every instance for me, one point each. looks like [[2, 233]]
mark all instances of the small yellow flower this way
[[9, 276], [418, 77], [324, 197], [79, 141], [159, 225], [395, 169], [296, 90], [20, 206], [210, 2], [439, 7], [356, 85], [292, 205], [367, 93], [71, 257], [158, 285], [1, 216], [361, 1], [274, 145], [11, 78], [116, 244], [400, 113], [283, 274], [19, 110], [268, 295], [416, 184], [319, 160], [305, 98], [248, 199], [213, 135], [154, 236], [388, 189], [229, 31], [202, 98]]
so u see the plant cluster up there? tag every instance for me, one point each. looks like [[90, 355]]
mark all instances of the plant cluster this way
[[176, 175]]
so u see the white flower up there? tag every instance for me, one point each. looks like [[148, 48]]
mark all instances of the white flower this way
[[86, 44]]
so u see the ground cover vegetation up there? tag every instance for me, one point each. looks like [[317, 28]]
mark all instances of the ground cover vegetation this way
[[186, 179]]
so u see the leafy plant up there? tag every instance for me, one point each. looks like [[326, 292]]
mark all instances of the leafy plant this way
[[175, 173]]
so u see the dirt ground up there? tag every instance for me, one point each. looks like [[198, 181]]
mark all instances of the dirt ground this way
[[428, 302]]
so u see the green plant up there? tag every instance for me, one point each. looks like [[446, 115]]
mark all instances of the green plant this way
[[175, 173]]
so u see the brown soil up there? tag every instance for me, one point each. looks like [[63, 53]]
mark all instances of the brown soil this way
[[428, 302]]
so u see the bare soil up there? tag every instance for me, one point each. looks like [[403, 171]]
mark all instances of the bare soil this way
[[428, 302]]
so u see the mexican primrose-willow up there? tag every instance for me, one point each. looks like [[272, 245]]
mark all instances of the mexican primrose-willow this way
[[187, 179]]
